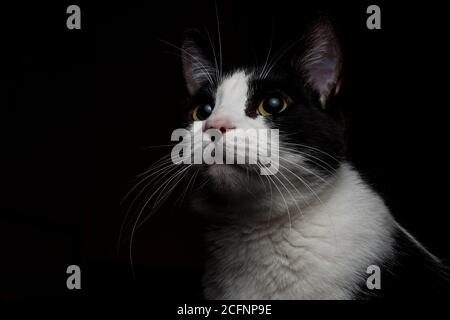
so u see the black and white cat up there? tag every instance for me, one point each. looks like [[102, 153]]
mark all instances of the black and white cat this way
[[312, 229]]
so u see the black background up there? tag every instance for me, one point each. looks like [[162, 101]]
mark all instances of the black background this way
[[82, 105]]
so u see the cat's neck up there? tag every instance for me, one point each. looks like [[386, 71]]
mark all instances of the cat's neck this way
[[303, 255]]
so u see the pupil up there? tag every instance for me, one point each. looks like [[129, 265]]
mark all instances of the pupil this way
[[274, 102], [273, 105], [207, 109]]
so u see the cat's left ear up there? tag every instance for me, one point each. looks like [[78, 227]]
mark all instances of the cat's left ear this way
[[321, 61], [197, 69]]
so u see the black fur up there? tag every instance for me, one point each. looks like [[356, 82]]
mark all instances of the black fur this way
[[304, 122]]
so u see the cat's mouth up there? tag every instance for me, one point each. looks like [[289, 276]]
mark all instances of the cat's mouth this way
[[231, 168], [232, 177]]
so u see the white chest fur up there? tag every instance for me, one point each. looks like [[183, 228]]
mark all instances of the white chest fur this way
[[322, 254]]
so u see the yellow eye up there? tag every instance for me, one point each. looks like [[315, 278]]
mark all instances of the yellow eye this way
[[202, 111], [272, 105]]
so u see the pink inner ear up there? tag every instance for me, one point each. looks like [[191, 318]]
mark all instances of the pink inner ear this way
[[322, 76], [321, 63]]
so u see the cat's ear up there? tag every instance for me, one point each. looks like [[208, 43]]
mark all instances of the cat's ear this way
[[321, 61], [197, 69]]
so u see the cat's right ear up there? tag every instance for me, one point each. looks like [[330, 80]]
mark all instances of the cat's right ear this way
[[321, 62], [197, 70]]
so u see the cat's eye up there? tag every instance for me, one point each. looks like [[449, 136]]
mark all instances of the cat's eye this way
[[272, 105], [202, 111]]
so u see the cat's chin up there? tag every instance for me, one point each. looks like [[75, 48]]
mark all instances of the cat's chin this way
[[226, 177], [223, 172]]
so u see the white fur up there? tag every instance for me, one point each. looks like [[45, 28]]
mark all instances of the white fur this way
[[230, 102], [319, 254]]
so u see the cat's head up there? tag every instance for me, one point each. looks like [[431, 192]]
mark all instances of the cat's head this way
[[292, 93]]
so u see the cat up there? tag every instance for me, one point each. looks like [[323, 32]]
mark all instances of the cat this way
[[312, 229]]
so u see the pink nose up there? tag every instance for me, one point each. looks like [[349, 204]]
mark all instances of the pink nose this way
[[222, 124]]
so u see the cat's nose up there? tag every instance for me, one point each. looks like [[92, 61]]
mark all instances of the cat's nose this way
[[222, 124]]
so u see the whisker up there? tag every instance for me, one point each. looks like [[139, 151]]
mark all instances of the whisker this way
[[312, 148], [165, 171], [188, 187], [305, 169], [278, 58], [137, 222], [268, 53], [214, 53], [329, 169], [281, 194], [220, 39], [202, 66]]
